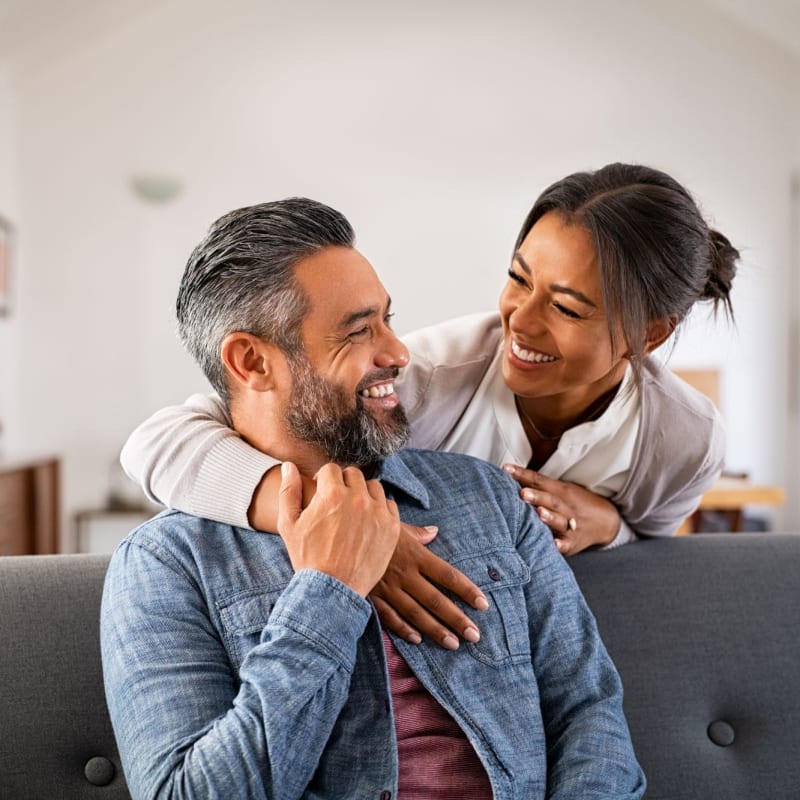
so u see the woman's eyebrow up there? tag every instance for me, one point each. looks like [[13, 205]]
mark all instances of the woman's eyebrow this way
[[556, 287], [579, 296], [521, 261]]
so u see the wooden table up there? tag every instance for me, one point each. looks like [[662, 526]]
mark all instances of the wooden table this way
[[733, 494], [29, 505]]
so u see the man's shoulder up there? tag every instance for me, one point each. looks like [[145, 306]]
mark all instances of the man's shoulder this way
[[457, 474], [177, 538], [173, 525], [441, 459]]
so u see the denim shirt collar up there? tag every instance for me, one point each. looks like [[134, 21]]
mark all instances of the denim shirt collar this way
[[396, 473]]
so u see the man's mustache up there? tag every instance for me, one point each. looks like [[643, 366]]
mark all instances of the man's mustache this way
[[388, 373]]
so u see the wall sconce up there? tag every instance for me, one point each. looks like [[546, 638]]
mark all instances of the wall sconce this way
[[156, 189]]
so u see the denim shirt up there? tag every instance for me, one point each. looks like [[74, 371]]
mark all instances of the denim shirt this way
[[230, 676]]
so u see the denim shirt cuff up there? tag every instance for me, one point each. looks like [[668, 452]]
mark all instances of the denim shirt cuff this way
[[325, 611]]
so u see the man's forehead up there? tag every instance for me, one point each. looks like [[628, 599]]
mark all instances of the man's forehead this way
[[342, 285]]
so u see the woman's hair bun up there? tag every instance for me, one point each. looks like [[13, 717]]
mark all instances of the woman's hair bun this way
[[722, 270]]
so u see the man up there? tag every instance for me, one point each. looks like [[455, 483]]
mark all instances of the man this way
[[245, 665]]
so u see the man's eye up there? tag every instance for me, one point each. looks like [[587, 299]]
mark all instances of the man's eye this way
[[359, 334]]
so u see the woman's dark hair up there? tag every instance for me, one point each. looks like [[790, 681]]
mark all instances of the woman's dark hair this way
[[656, 255]]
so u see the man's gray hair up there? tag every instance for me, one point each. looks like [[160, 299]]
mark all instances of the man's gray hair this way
[[241, 278]]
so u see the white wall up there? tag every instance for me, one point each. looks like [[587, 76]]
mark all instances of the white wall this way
[[432, 126], [9, 349]]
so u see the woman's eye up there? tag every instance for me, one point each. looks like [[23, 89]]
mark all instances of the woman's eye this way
[[518, 279], [567, 312], [387, 320]]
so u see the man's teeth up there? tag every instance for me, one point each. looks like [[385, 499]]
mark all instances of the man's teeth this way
[[382, 390], [530, 355]]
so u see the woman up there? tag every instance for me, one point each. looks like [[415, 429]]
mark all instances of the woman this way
[[559, 387]]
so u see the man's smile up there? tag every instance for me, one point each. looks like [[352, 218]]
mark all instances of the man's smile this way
[[378, 390]]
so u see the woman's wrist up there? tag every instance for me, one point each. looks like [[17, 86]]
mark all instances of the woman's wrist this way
[[263, 511]]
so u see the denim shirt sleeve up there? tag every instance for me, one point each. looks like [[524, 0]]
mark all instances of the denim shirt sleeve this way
[[589, 750], [186, 728]]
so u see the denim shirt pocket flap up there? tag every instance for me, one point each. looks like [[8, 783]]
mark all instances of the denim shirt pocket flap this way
[[243, 617], [502, 576]]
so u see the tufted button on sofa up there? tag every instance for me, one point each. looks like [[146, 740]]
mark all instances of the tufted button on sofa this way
[[705, 631]]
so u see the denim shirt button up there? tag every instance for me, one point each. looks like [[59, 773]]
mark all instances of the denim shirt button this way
[[386, 795], [494, 574]]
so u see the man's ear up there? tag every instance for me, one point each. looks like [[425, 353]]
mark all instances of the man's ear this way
[[659, 331], [249, 361]]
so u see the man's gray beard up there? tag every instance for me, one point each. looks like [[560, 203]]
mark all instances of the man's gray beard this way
[[323, 414]]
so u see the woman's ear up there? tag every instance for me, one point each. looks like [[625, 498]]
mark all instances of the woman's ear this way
[[659, 331], [248, 361]]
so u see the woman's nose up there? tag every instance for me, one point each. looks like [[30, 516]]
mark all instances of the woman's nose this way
[[527, 317]]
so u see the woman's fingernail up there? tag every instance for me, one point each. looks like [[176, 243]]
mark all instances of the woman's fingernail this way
[[431, 528], [509, 468], [414, 638], [481, 603], [472, 635], [450, 642], [528, 495]]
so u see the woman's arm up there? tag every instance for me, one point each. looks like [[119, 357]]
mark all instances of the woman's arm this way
[[188, 457]]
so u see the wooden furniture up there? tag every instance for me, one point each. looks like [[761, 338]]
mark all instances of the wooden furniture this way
[[733, 494], [29, 506], [706, 381]]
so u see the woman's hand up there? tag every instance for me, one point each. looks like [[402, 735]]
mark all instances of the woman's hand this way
[[408, 598], [577, 517], [409, 601]]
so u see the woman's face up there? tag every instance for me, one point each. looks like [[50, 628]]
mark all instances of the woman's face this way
[[557, 340]]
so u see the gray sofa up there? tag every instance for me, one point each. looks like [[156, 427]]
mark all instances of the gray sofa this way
[[705, 631]]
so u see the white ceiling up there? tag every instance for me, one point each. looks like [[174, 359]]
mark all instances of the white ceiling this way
[[776, 20], [31, 30]]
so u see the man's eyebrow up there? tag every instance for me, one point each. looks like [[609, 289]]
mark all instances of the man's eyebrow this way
[[556, 287], [365, 313]]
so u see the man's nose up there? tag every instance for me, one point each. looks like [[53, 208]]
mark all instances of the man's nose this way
[[391, 351]]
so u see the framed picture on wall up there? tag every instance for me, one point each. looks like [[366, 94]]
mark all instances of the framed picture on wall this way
[[6, 235]]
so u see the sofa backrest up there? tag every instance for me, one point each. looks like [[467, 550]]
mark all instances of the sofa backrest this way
[[705, 631], [56, 739]]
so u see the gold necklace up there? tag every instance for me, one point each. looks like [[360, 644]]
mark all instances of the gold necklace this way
[[593, 415], [541, 435]]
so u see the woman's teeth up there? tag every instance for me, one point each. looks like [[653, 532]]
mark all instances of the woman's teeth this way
[[530, 355], [382, 390]]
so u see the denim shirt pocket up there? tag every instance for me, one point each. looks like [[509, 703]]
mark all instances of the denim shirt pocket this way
[[501, 575], [243, 616]]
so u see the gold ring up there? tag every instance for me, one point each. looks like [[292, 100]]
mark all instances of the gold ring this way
[[572, 524]]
